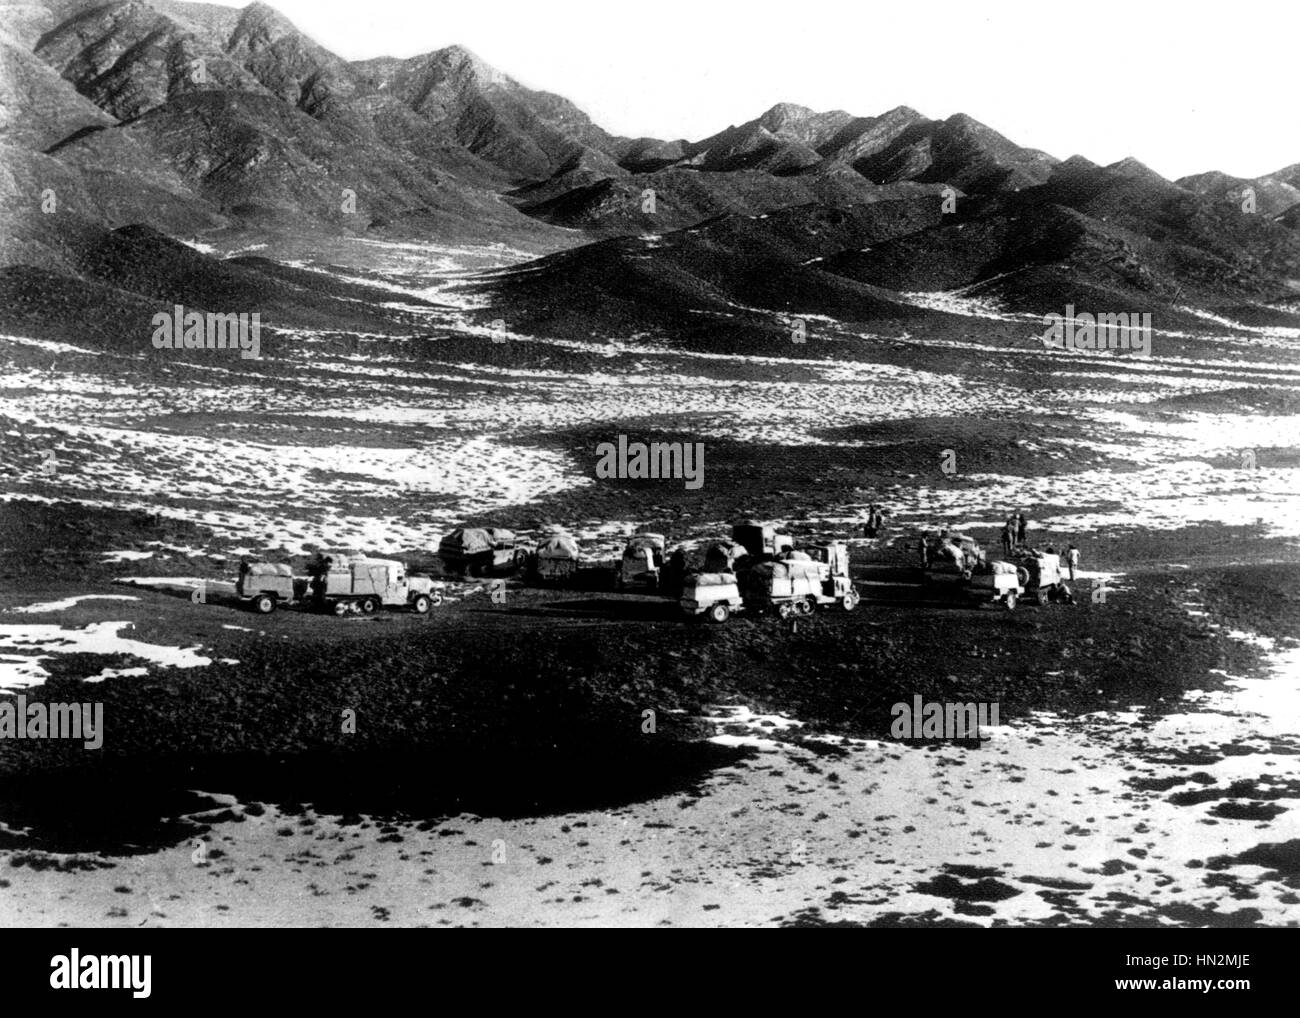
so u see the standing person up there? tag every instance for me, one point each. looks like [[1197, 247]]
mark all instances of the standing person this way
[[1006, 540], [1022, 528], [1072, 559], [925, 552]]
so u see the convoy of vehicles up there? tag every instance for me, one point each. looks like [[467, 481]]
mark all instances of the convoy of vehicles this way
[[757, 571]]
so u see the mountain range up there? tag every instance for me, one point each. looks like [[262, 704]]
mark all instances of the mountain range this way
[[154, 118]]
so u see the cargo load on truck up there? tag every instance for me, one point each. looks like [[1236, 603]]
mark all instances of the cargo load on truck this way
[[996, 581], [481, 551], [1040, 573], [557, 559], [761, 540], [725, 557], [642, 563], [787, 587], [953, 553]]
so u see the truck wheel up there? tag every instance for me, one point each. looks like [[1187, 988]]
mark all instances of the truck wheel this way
[[340, 607], [1042, 596], [1011, 601], [264, 604], [421, 604], [369, 605], [718, 613], [850, 601], [805, 607]]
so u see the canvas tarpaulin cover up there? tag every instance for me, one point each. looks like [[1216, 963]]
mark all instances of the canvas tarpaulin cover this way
[[269, 569], [467, 541], [558, 546]]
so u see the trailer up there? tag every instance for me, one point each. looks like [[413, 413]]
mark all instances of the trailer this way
[[264, 585], [996, 582], [713, 595]]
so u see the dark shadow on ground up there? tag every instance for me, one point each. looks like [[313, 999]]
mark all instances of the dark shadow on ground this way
[[148, 806]]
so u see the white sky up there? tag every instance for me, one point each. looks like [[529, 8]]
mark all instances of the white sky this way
[[1183, 85]]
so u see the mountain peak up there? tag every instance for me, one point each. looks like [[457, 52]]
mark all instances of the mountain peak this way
[[784, 112], [1130, 167], [264, 14], [462, 58]]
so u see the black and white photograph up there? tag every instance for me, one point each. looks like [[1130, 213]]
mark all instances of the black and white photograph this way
[[696, 465]]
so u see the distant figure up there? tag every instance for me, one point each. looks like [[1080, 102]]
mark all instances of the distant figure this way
[[1006, 539], [318, 569], [1022, 528], [925, 553], [1072, 560], [875, 521]]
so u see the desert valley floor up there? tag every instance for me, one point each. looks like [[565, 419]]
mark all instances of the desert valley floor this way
[[1145, 770]]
